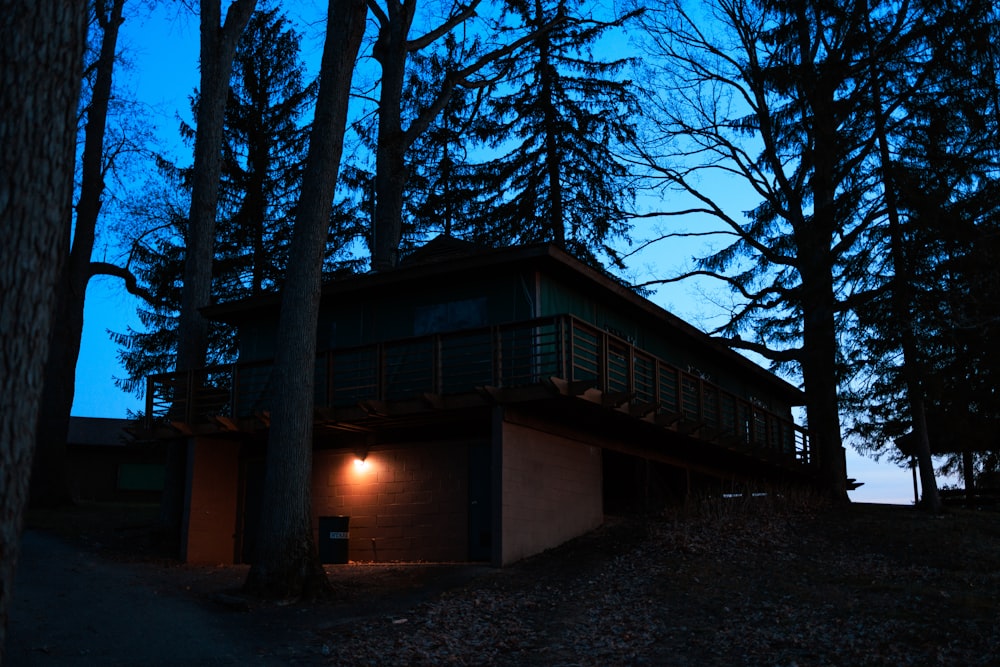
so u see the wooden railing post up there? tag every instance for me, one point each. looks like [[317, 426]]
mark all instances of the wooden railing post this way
[[496, 342], [602, 361], [150, 384], [234, 390], [437, 382], [189, 392], [630, 370], [380, 379], [330, 369], [571, 351], [561, 349]]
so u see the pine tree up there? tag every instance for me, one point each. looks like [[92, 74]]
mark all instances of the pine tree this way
[[264, 150], [219, 38], [945, 136], [440, 196], [400, 122], [557, 118], [263, 153], [286, 563]]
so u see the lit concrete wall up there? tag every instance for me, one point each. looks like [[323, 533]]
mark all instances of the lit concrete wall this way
[[213, 489], [405, 504], [551, 491]]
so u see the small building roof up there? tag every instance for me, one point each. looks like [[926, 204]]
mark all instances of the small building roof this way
[[99, 431], [954, 431]]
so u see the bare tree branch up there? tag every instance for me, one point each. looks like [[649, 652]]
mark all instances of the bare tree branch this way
[[131, 283]]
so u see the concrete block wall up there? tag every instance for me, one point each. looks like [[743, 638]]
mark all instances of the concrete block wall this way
[[407, 503], [213, 489], [552, 491]]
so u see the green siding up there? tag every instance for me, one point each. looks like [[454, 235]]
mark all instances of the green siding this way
[[625, 321], [444, 306], [452, 303], [141, 476]]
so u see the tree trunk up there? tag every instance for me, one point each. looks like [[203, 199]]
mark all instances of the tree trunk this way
[[816, 263], [49, 478], [902, 302], [556, 222], [969, 475], [286, 563], [930, 498], [390, 154], [255, 213], [41, 46], [218, 47], [819, 374]]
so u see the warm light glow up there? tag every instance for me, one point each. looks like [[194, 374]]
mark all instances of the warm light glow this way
[[360, 464]]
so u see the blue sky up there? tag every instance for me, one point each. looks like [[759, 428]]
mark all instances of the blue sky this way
[[162, 48]]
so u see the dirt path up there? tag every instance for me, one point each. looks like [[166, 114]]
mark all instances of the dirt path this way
[[74, 608]]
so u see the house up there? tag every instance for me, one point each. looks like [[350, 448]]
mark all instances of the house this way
[[963, 432], [105, 463], [478, 406]]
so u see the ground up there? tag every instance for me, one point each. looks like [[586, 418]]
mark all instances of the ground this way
[[741, 582]]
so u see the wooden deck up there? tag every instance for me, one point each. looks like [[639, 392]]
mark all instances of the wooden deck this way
[[524, 361]]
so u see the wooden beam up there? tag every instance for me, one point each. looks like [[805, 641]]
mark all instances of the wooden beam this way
[[571, 388], [227, 423]]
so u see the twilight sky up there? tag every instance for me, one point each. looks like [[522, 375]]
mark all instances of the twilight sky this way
[[163, 50]]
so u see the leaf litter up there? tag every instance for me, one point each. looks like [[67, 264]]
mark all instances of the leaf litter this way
[[865, 585]]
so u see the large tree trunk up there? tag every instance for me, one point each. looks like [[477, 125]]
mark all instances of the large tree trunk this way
[[286, 564], [49, 478], [41, 47], [390, 153], [553, 168], [814, 238], [819, 376], [902, 302], [218, 47]]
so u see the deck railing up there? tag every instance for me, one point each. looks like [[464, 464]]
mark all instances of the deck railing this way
[[504, 356]]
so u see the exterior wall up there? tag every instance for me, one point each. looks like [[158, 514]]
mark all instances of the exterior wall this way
[[405, 504], [401, 312], [551, 491], [212, 490], [116, 473]]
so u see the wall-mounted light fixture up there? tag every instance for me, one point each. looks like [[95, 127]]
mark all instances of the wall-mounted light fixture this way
[[360, 458]]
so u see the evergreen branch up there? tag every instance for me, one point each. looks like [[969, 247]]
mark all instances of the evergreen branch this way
[[863, 298]]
